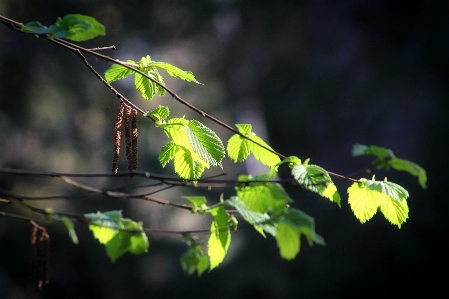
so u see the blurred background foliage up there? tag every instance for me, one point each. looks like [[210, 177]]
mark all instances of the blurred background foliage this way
[[313, 77]]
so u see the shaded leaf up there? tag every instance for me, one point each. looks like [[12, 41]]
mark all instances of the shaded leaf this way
[[35, 27], [77, 27]]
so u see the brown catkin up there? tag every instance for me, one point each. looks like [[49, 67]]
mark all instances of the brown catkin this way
[[134, 152], [39, 260], [128, 140], [117, 138]]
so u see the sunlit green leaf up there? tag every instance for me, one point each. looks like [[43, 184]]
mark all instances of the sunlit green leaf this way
[[160, 113], [145, 86], [367, 196], [220, 237], [176, 72], [263, 155], [185, 166], [245, 129], [262, 197], [117, 72], [316, 179], [167, 153], [109, 228], [199, 202], [205, 143], [238, 148]]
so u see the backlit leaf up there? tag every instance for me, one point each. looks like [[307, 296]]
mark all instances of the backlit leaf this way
[[367, 196], [176, 72], [117, 72], [220, 237], [205, 143]]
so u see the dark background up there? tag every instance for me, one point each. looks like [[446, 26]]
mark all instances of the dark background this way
[[313, 77]]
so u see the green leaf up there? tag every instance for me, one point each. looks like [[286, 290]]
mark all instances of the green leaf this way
[[238, 148], [220, 237], [109, 228], [117, 72], [70, 228], [263, 155], [186, 166], [262, 197], [386, 159], [245, 129], [77, 28], [35, 27], [199, 202], [316, 179], [197, 147], [176, 72], [50, 214], [167, 153], [412, 168], [195, 259], [148, 88], [366, 196], [380, 152], [260, 221], [205, 143], [160, 113], [289, 230]]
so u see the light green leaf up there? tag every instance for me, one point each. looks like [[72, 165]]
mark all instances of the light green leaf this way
[[205, 143], [176, 72], [260, 221], [220, 237], [117, 72], [263, 155], [109, 229], [199, 202], [77, 28], [288, 240], [160, 113], [35, 27], [238, 148], [194, 259], [167, 153], [316, 179], [289, 230], [186, 166], [262, 197], [412, 168], [145, 86], [367, 196], [245, 129]]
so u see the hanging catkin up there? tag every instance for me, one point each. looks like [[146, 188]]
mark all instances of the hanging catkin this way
[[117, 138], [134, 151]]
